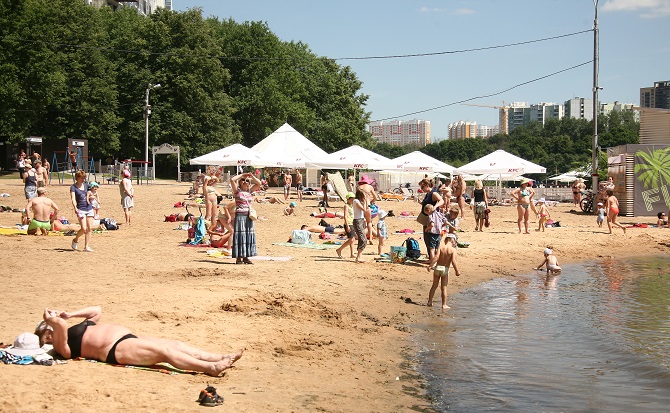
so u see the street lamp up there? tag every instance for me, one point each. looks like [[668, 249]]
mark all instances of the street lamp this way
[[147, 112], [596, 106]]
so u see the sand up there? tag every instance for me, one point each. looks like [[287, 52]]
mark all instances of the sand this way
[[321, 333]]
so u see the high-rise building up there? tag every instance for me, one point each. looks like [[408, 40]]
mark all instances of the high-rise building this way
[[462, 130], [399, 132], [657, 96], [579, 108], [484, 131], [518, 114], [145, 7], [541, 112]]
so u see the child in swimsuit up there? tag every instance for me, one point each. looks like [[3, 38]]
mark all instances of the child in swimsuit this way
[[94, 198], [439, 264], [543, 212], [382, 230], [550, 261], [601, 215]]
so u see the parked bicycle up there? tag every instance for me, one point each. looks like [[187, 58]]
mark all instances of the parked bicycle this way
[[586, 204], [407, 189]]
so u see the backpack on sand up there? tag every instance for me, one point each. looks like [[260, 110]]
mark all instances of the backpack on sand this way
[[413, 248]]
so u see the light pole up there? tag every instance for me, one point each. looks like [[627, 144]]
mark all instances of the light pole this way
[[596, 106], [147, 112]]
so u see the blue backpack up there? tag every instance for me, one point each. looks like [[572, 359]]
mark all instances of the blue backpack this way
[[413, 248]]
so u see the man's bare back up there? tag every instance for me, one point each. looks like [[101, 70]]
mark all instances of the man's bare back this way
[[41, 207]]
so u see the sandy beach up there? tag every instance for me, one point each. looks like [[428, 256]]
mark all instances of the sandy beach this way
[[321, 333]]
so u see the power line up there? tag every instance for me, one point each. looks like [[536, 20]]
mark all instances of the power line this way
[[484, 96], [149, 53]]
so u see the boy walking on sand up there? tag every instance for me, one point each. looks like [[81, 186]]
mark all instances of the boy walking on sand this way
[[601, 215], [550, 261], [439, 264]]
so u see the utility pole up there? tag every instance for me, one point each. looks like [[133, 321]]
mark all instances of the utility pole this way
[[147, 112], [596, 106]]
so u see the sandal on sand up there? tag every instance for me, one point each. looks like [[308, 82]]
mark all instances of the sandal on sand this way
[[209, 397], [247, 261]]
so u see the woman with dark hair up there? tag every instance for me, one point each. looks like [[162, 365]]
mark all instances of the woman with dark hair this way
[[244, 236], [433, 198], [115, 344], [83, 210]]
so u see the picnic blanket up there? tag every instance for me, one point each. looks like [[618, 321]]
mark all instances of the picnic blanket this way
[[310, 245]]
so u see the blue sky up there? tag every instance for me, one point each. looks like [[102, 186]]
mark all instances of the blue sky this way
[[634, 49]]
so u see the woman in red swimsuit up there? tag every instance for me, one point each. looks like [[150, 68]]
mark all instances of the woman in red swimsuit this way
[[613, 211]]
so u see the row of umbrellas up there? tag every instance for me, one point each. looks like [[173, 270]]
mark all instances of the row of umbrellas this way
[[288, 148]]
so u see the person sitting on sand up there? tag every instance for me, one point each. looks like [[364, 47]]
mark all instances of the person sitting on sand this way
[[40, 208], [662, 220], [550, 261], [220, 231], [444, 258], [290, 209], [114, 344]]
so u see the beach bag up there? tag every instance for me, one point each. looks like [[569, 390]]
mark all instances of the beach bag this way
[[109, 224], [422, 219], [253, 215], [199, 230], [413, 248], [300, 236]]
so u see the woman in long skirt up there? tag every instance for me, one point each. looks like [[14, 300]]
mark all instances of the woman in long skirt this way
[[244, 237]]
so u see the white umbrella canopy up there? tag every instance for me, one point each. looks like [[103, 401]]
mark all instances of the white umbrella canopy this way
[[233, 155], [420, 162], [568, 176], [289, 148], [355, 157], [501, 162]]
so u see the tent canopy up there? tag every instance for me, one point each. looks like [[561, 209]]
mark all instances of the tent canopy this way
[[420, 162], [233, 155], [288, 147], [355, 157], [501, 162]]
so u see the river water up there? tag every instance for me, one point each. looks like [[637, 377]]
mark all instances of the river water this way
[[595, 338]]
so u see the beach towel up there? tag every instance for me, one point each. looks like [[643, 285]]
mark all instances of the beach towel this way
[[338, 185], [310, 245], [165, 368], [12, 231]]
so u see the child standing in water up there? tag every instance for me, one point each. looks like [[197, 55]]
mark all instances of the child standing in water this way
[[94, 198], [550, 261], [439, 264], [601, 215], [543, 212], [612, 211], [382, 230]]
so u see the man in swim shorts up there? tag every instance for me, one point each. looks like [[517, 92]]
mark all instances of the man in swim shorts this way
[[40, 207], [439, 264], [288, 179]]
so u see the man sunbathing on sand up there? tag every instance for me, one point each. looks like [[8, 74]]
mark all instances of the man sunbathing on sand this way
[[319, 229], [114, 344]]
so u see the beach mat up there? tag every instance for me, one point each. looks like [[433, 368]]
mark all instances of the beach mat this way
[[13, 231], [164, 368], [310, 245], [338, 185]]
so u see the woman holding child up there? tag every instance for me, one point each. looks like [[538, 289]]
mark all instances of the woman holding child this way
[[433, 198], [244, 237]]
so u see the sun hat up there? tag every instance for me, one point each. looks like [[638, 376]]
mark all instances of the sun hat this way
[[382, 214], [525, 181], [450, 235], [26, 344], [293, 204], [548, 251], [94, 185], [351, 195], [364, 179], [126, 173], [540, 201]]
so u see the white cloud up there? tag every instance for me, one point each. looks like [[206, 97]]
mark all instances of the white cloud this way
[[648, 8]]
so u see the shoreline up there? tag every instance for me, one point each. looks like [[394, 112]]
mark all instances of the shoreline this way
[[321, 333]]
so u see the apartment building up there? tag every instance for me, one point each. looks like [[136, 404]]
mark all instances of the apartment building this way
[[462, 130], [579, 108], [401, 132], [145, 7], [485, 131], [657, 96], [542, 112]]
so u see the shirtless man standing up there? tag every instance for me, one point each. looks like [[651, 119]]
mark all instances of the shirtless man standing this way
[[298, 184], [288, 179], [42, 175], [365, 186], [40, 207], [459, 186]]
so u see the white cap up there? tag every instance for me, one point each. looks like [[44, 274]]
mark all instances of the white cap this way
[[548, 251]]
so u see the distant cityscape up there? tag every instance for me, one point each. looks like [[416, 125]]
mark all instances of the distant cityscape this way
[[513, 115]]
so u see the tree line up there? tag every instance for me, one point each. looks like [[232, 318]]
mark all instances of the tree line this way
[[72, 70]]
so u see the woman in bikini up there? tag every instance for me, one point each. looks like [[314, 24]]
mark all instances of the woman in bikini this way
[[210, 194], [221, 230], [612, 207], [459, 187], [115, 344], [524, 198], [577, 191]]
